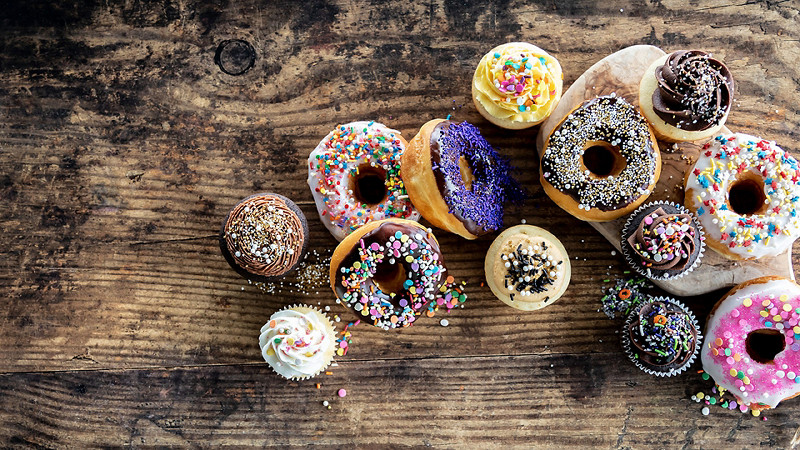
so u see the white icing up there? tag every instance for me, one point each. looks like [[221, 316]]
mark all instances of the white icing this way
[[303, 347], [749, 242], [342, 191]]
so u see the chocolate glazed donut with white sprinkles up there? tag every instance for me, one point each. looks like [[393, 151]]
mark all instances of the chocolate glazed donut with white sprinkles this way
[[602, 161]]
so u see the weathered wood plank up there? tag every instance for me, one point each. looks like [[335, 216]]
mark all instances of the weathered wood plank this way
[[524, 401], [119, 129]]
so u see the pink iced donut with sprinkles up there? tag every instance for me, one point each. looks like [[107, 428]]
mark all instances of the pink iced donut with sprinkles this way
[[745, 192], [753, 342], [354, 175]]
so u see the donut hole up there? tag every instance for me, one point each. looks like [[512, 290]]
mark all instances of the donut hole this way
[[389, 277], [602, 160], [746, 195], [762, 345], [369, 185], [467, 175]]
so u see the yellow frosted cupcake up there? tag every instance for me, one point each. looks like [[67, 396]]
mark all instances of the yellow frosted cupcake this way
[[298, 342], [517, 85]]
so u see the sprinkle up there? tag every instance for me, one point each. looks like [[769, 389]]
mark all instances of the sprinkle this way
[[342, 392]]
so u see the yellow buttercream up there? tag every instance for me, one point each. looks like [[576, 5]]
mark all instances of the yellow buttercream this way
[[537, 74]]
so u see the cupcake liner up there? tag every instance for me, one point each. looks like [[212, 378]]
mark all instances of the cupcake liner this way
[[631, 256], [628, 348], [330, 333]]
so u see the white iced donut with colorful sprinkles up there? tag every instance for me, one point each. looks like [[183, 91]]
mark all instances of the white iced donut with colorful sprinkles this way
[[354, 175], [745, 192], [753, 342]]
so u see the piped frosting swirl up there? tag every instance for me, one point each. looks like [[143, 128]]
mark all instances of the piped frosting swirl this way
[[264, 235], [694, 92], [518, 82], [297, 343], [665, 241], [663, 337]]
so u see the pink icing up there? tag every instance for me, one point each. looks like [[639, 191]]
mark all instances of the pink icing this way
[[725, 349]]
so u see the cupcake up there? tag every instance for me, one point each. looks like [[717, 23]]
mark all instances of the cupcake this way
[[661, 337], [517, 85], [662, 241], [527, 268], [298, 342], [264, 236], [686, 96]]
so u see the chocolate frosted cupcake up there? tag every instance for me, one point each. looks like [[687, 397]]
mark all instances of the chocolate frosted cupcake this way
[[686, 96], [264, 236], [662, 241], [661, 337]]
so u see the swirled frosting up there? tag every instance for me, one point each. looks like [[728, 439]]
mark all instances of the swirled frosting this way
[[515, 83], [264, 235], [663, 337], [297, 344], [665, 241], [694, 90]]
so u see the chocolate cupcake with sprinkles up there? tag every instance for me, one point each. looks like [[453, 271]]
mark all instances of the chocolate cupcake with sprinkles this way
[[457, 180], [354, 177], [391, 271], [662, 337], [663, 241]]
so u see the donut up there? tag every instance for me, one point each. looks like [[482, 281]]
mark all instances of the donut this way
[[686, 96], [527, 268], [602, 161], [388, 271], [456, 180], [264, 236], [745, 192], [753, 342], [354, 177], [517, 85]]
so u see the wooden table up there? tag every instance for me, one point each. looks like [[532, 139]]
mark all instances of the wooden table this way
[[123, 145]]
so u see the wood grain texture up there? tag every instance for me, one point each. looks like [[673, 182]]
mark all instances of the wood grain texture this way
[[619, 74], [122, 147]]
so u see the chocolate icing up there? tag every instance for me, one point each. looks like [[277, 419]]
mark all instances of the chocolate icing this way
[[264, 236], [603, 119], [694, 90], [381, 235], [668, 243], [663, 336]]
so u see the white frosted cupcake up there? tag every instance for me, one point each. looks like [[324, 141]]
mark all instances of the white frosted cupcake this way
[[298, 342]]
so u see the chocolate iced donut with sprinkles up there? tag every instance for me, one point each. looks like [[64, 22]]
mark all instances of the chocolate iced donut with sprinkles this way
[[602, 161], [456, 180], [389, 271], [354, 177]]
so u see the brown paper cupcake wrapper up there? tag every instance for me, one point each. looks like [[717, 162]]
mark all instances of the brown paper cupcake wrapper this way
[[645, 271], [330, 332], [628, 348]]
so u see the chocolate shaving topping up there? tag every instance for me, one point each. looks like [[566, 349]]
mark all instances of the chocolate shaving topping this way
[[694, 90], [264, 235]]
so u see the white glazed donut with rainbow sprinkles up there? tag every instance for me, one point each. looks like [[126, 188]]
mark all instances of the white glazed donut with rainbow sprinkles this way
[[745, 192], [354, 175], [753, 342]]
